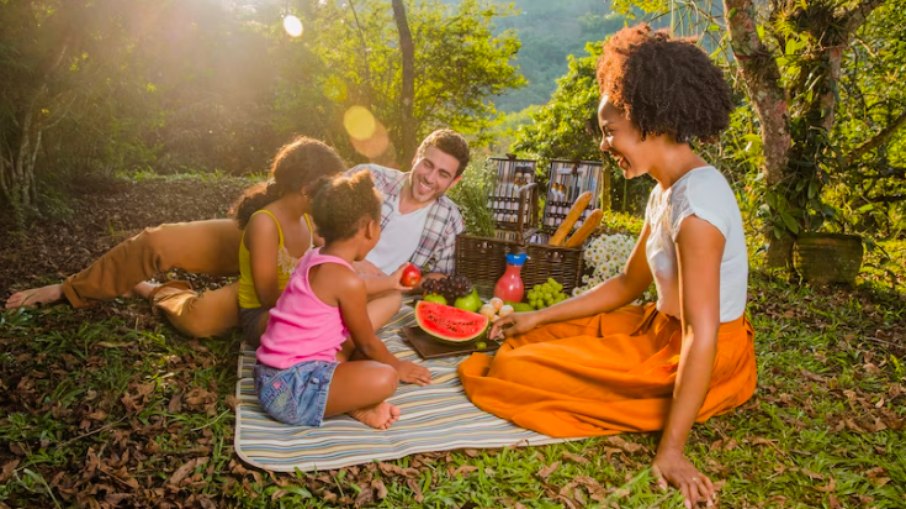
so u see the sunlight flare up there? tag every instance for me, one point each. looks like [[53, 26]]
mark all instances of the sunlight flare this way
[[360, 124], [376, 146], [292, 25]]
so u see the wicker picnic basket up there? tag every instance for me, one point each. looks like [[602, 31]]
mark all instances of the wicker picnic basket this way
[[483, 259]]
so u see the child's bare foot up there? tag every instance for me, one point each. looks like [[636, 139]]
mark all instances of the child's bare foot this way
[[35, 296], [144, 289], [379, 416]]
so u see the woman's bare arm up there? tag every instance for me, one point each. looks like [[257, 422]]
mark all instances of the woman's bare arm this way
[[349, 292], [700, 248]]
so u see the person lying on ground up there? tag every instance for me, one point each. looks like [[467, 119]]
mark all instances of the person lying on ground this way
[[212, 247]]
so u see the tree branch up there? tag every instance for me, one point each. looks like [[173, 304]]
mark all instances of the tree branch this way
[[366, 68], [876, 141], [407, 95], [851, 19], [762, 78], [886, 198]]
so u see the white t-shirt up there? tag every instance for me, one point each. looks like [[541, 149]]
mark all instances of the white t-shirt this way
[[399, 238], [705, 193]]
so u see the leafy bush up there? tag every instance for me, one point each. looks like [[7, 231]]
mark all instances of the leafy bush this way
[[621, 222], [471, 194]]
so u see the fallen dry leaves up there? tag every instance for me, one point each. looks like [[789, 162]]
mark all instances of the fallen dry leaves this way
[[125, 449]]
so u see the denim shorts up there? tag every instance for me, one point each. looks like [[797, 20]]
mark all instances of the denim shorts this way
[[296, 395]]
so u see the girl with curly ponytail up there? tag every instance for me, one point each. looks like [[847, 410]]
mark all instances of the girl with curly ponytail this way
[[277, 228]]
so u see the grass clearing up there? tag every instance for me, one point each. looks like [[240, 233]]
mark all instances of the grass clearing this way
[[114, 406], [110, 406]]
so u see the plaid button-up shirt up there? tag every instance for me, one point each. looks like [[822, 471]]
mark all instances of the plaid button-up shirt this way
[[436, 247]]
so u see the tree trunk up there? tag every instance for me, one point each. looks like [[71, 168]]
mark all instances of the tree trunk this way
[[792, 167], [366, 67], [606, 189], [17, 168], [407, 136], [762, 78]]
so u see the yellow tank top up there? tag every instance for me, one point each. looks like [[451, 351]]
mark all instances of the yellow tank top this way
[[248, 297]]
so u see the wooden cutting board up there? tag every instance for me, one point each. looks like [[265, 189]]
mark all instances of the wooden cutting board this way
[[429, 348]]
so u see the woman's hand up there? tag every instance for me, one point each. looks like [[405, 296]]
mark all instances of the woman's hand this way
[[675, 469], [412, 373], [514, 324]]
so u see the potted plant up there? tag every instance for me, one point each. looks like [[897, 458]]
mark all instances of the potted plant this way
[[823, 257]]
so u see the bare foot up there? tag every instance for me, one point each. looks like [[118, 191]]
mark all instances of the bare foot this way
[[379, 416], [144, 289], [35, 296]]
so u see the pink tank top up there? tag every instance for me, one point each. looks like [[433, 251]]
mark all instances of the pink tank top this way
[[301, 326]]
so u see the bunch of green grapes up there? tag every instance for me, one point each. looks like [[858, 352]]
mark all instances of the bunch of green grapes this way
[[546, 294]]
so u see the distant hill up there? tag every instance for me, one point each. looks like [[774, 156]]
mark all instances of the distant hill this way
[[550, 30]]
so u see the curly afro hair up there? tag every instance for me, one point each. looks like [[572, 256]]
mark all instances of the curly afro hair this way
[[343, 204], [664, 85]]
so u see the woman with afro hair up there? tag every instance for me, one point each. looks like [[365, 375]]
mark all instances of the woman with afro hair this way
[[597, 364]]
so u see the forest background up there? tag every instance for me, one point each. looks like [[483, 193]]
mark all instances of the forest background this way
[[100, 88], [116, 116]]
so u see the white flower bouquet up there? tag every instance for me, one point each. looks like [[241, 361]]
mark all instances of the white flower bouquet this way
[[605, 256]]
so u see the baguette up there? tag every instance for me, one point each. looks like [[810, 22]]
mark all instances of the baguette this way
[[574, 212], [594, 219]]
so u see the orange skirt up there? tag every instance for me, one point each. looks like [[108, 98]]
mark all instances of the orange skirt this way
[[604, 374]]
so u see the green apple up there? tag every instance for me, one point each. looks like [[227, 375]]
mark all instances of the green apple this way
[[435, 298], [471, 302]]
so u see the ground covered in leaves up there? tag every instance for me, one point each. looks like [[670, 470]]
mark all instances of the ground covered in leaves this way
[[110, 407]]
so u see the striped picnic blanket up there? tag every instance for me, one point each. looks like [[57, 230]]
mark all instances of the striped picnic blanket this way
[[437, 417]]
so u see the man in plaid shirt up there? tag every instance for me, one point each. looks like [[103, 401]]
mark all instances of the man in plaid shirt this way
[[415, 202]]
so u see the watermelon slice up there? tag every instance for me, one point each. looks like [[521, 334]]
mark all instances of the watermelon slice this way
[[448, 324]]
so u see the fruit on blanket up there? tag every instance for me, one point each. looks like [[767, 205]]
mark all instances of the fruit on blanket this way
[[448, 324], [435, 298], [471, 302], [451, 287], [546, 294], [488, 311], [505, 310], [521, 307], [497, 302], [411, 276]]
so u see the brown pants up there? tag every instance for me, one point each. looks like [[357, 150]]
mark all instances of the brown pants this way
[[207, 247]]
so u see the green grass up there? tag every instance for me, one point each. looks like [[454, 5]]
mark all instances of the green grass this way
[[112, 405]]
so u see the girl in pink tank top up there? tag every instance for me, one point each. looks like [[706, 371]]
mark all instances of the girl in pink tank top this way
[[319, 356]]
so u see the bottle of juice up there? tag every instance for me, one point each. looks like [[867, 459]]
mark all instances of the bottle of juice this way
[[510, 287]]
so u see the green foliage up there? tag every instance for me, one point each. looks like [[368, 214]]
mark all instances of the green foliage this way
[[868, 186], [471, 194], [621, 222], [98, 87], [459, 64], [567, 128], [549, 32], [203, 84], [845, 169]]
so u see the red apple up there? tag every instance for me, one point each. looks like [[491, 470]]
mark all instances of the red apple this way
[[411, 276]]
